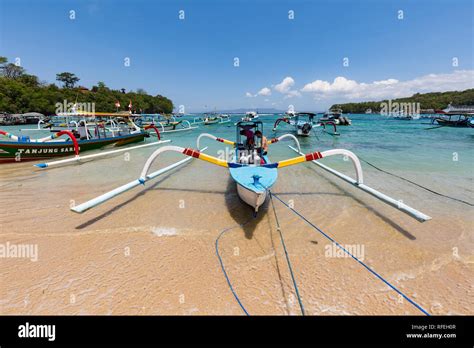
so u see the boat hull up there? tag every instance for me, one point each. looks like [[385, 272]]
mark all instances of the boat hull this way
[[253, 183], [252, 198], [450, 123], [11, 151]]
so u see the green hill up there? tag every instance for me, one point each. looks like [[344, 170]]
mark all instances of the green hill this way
[[437, 100], [21, 92]]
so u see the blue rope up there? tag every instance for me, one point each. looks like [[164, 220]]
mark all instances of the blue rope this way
[[222, 265], [287, 256], [355, 258]]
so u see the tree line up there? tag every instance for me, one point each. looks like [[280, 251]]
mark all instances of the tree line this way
[[21, 92], [435, 101]]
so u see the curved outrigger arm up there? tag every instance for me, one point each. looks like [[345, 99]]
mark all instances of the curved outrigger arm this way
[[277, 122], [275, 140], [323, 124], [152, 126], [210, 136], [358, 183], [185, 151], [314, 156]]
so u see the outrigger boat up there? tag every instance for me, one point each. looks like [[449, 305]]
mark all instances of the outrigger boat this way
[[303, 123], [164, 124], [250, 116], [251, 169], [335, 116], [210, 119], [81, 138], [454, 120]]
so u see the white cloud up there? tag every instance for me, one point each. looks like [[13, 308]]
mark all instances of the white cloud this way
[[285, 85], [390, 88], [265, 91], [292, 94]]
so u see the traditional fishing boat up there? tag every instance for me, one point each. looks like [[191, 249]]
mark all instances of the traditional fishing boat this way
[[303, 123], [454, 120], [211, 118], [164, 124], [250, 116], [82, 137], [335, 116], [251, 169]]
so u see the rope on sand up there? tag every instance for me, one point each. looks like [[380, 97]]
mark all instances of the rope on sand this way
[[222, 264], [287, 257], [416, 184], [355, 258]]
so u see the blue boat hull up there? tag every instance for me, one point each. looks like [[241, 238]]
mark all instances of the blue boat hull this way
[[253, 183]]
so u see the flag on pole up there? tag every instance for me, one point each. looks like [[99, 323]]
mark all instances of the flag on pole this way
[[117, 104], [130, 105]]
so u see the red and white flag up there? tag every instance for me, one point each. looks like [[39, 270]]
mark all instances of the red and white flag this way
[[130, 105], [117, 104]]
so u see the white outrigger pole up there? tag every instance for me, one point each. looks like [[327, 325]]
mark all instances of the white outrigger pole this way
[[359, 183], [124, 188], [79, 158]]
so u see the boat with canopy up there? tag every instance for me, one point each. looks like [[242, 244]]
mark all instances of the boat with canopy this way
[[89, 132]]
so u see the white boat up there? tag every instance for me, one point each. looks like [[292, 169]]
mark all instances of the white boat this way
[[250, 116]]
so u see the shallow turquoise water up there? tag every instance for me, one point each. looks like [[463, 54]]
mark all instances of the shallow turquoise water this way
[[400, 146], [392, 144]]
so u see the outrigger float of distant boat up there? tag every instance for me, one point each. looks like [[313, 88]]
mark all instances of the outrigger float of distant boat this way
[[251, 169], [164, 124], [88, 133], [303, 123], [211, 118], [336, 117]]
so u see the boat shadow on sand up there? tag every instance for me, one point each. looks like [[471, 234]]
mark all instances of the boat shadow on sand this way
[[154, 186], [373, 210], [240, 212]]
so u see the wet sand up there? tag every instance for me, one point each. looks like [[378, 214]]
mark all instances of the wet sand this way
[[152, 250]]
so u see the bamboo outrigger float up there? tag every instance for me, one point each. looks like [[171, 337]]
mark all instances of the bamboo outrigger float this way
[[164, 124], [251, 169]]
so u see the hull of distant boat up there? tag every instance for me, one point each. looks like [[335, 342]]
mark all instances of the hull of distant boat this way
[[301, 133], [211, 122], [253, 198], [461, 123], [403, 118], [12, 151]]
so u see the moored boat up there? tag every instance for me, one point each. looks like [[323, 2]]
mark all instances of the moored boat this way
[[250, 116], [303, 123], [335, 116], [454, 120], [83, 137]]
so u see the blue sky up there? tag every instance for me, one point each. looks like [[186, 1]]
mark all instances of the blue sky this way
[[289, 61]]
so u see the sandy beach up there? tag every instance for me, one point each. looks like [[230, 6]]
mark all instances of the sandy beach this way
[[152, 250]]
